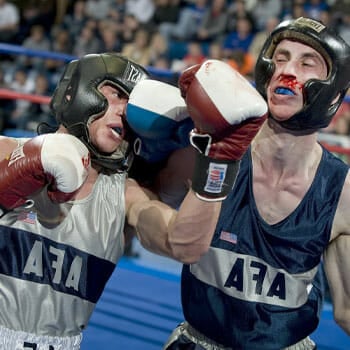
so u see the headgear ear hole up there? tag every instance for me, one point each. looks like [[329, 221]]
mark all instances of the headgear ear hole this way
[[336, 100]]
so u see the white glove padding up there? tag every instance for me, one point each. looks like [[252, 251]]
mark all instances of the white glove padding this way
[[218, 96], [155, 109], [67, 159], [58, 161]]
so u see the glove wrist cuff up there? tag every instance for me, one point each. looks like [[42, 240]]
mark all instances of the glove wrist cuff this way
[[213, 179]]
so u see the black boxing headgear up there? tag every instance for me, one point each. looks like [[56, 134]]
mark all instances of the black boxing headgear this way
[[77, 101], [319, 95]]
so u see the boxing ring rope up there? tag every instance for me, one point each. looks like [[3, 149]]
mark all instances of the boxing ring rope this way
[[337, 149], [338, 144], [14, 95]]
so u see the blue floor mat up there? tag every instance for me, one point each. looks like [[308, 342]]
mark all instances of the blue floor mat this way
[[141, 306], [138, 310]]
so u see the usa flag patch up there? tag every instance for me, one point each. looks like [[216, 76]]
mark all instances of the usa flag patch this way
[[228, 237], [28, 217]]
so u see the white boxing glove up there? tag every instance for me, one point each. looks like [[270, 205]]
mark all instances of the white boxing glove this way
[[58, 161], [158, 115], [155, 109]]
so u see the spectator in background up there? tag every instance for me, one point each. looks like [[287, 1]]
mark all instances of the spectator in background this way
[[194, 55], [260, 38], [249, 4], [166, 11], [97, 9], [314, 8], [238, 9], [162, 63], [264, 9], [36, 113], [214, 22], [158, 49], [286, 7], [20, 83], [297, 10], [128, 29], [61, 42], [116, 13], [75, 20], [48, 11], [143, 10], [215, 51], [36, 41], [29, 16], [242, 62], [138, 50], [325, 18], [6, 105], [344, 27], [240, 38], [162, 66], [190, 19], [109, 38], [340, 8], [9, 21], [87, 42]]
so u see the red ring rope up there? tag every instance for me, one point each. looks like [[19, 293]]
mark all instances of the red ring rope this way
[[336, 149], [13, 95]]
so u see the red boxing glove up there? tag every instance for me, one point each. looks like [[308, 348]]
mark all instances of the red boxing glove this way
[[60, 161], [227, 112]]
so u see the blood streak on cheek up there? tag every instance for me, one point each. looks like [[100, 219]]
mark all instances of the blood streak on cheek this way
[[291, 83]]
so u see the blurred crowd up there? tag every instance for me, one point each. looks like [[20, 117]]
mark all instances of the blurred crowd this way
[[162, 34]]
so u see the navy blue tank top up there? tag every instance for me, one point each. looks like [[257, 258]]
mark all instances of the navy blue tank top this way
[[257, 287]]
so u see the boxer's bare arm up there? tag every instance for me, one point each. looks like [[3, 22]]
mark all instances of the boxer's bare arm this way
[[173, 182], [337, 267], [337, 261], [183, 235], [7, 145]]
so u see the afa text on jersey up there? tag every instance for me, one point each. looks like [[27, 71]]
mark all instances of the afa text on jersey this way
[[252, 279]]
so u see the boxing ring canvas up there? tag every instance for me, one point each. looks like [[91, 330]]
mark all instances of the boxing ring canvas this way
[[141, 305], [138, 309]]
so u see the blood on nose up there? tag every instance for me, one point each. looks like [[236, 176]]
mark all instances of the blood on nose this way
[[291, 82]]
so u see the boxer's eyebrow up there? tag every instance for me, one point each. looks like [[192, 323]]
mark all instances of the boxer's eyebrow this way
[[282, 51]]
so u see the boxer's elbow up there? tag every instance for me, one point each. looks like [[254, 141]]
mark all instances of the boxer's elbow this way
[[188, 244], [342, 318], [188, 253]]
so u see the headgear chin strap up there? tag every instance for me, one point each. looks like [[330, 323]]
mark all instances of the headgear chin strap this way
[[77, 101], [322, 98]]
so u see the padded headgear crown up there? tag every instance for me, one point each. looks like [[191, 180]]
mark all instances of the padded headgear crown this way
[[77, 101], [319, 95]]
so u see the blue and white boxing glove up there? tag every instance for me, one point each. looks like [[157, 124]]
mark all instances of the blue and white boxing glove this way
[[158, 115]]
